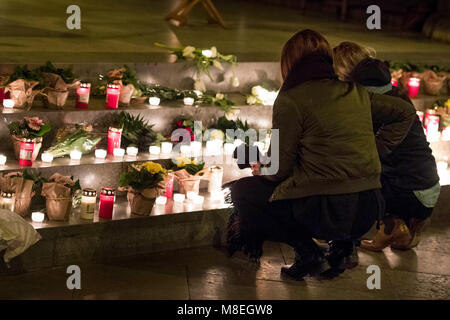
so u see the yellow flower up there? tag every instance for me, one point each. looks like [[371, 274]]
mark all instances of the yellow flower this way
[[447, 104], [153, 167], [182, 161]]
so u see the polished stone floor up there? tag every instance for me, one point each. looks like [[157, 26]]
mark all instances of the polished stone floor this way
[[125, 31], [207, 273]]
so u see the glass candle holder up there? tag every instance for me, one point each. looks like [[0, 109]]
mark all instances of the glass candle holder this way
[[413, 87], [8, 200], [154, 150], [76, 155], [112, 96], [428, 113], [119, 152], [196, 148], [178, 197], [154, 101], [161, 200], [88, 203], [132, 151], [169, 186], [26, 152], [100, 153], [433, 127], [37, 216], [215, 181], [188, 101], [47, 157], [83, 93], [106, 207], [8, 103], [114, 138]]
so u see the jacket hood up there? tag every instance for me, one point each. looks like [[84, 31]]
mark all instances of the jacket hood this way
[[371, 72]]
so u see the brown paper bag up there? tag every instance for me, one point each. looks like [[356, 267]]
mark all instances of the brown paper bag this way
[[58, 200], [56, 90], [188, 182], [432, 82], [21, 91], [142, 201], [23, 188]]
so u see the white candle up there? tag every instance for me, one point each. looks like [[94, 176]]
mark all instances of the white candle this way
[[2, 160], [229, 148], [196, 147], [37, 216], [154, 101], [47, 157], [238, 142], [154, 150], [188, 101], [178, 197], [198, 199], [100, 153], [166, 147], [119, 152], [75, 155], [214, 147], [161, 200], [8, 103], [132, 151], [185, 150], [191, 195]]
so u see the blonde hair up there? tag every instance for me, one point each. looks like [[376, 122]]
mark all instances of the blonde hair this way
[[301, 44], [346, 57]]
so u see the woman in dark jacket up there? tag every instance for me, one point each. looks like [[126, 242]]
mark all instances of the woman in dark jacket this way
[[327, 185], [409, 175]]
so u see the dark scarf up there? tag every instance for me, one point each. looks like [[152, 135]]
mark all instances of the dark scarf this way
[[312, 67]]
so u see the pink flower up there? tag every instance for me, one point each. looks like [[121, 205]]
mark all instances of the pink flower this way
[[179, 123], [34, 123]]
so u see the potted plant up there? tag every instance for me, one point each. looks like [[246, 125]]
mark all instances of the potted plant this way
[[125, 78], [59, 192], [30, 128], [21, 86], [144, 183], [189, 173]]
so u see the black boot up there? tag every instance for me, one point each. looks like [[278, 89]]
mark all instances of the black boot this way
[[309, 260], [341, 255]]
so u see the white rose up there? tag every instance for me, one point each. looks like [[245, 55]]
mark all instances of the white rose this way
[[188, 52], [199, 85], [251, 100], [217, 64], [234, 81], [219, 96], [213, 52], [217, 135], [256, 90], [207, 53], [198, 93]]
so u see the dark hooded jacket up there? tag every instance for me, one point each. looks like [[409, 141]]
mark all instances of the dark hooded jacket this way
[[411, 165]]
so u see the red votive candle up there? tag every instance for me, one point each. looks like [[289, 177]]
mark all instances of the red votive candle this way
[[413, 87], [114, 138], [394, 83], [428, 113], [112, 96], [83, 92], [26, 152], [169, 187], [106, 207]]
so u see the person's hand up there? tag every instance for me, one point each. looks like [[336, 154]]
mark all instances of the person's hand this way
[[256, 168]]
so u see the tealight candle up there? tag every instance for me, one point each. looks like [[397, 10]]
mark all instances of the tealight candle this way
[[154, 150], [166, 147], [215, 179], [178, 197], [191, 195], [196, 147], [413, 87], [214, 147], [161, 200], [154, 101], [8, 200], [198, 199], [229, 148], [75, 155], [132, 151], [8, 103], [47, 157], [188, 101], [185, 150], [2, 159], [37, 216], [119, 152], [100, 153]]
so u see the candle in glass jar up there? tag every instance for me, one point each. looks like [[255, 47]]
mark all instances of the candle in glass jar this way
[[88, 203], [188, 101], [428, 113], [106, 207], [114, 138], [413, 87], [100, 153], [178, 197], [8, 200], [196, 148], [154, 150], [26, 152], [37, 216], [214, 147], [132, 151], [166, 147], [119, 152], [75, 154], [161, 200], [169, 186], [47, 157], [191, 195], [2, 159], [433, 127], [154, 101], [112, 96], [8, 103], [83, 92], [215, 179], [198, 199]]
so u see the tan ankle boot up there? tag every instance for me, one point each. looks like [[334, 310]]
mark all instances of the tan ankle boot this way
[[379, 242], [416, 228], [401, 237]]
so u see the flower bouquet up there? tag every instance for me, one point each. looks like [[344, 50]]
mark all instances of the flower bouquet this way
[[204, 59], [59, 192], [22, 184], [74, 137], [28, 129], [144, 183], [260, 95], [125, 78], [189, 173], [183, 123], [21, 86]]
